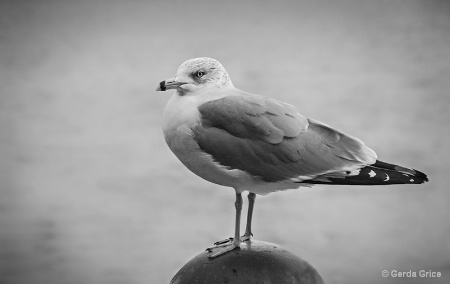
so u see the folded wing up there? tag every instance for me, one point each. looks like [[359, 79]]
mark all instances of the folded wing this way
[[271, 140]]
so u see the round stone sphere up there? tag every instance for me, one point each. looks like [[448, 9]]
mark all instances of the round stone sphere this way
[[254, 262]]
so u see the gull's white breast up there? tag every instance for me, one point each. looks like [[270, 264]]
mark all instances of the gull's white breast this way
[[180, 116]]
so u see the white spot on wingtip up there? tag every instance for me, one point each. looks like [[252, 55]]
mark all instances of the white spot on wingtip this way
[[300, 178], [387, 177], [411, 180], [372, 174]]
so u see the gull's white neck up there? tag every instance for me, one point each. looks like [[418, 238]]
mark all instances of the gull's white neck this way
[[182, 110]]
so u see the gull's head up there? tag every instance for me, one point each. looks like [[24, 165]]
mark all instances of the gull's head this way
[[198, 73]]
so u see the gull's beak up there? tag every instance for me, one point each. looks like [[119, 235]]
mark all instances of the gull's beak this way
[[171, 83]]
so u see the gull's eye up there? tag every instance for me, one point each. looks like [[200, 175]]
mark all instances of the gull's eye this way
[[200, 74]]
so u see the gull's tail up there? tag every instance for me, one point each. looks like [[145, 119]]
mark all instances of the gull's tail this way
[[380, 173]]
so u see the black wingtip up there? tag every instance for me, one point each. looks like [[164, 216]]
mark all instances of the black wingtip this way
[[416, 173], [421, 175], [379, 173]]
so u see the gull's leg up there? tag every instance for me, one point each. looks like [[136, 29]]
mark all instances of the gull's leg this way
[[235, 243], [248, 228]]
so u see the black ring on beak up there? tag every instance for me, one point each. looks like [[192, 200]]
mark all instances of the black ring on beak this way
[[162, 85]]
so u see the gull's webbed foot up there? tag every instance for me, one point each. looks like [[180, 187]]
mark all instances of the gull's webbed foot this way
[[244, 238], [226, 245], [222, 242]]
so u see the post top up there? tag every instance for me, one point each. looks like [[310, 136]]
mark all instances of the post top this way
[[254, 262]]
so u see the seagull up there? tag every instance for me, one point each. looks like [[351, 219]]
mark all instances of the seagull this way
[[260, 145]]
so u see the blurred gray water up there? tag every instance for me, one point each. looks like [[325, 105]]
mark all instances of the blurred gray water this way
[[90, 193]]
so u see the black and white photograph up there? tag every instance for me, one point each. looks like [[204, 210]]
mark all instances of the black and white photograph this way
[[292, 141]]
